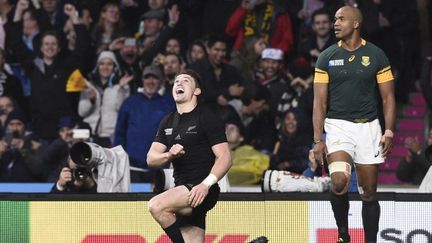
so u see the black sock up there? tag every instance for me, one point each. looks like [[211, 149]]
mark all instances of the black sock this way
[[174, 233], [371, 214], [340, 206]]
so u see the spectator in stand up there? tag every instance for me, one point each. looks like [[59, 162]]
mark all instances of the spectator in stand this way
[[17, 152], [109, 27], [253, 110], [6, 10], [173, 45], [138, 121], [127, 54], [56, 154], [7, 105], [157, 4], [100, 102], [156, 34], [246, 59], [283, 95], [68, 182], [86, 17], [414, 166], [52, 12], [48, 74], [261, 18], [131, 11], [320, 38], [9, 84], [32, 28], [70, 46], [221, 82], [195, 52], [172, 65], [295, 140], [248, 163]]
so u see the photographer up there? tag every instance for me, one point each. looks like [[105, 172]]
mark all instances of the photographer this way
[[71, 177], [74, 179], [17, 152], [414, 166], [56, 154]]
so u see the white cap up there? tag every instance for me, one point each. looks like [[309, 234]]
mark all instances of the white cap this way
[[272, 53], [110, 55]]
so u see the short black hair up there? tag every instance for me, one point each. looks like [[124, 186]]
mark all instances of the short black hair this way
[[213, 39], [176, 55], [53, 33], [195, 76], [321, 11], [255, 92]]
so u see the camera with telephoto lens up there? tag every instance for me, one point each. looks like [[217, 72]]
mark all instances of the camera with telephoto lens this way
[[108, 167], [81, 173], [82, 154]]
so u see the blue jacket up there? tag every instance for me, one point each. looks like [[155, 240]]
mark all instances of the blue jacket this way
[[137, 123]]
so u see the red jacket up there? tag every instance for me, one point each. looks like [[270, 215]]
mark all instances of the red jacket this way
[[281, 37]]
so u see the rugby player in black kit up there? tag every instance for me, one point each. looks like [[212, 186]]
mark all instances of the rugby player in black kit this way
[[193, 139]]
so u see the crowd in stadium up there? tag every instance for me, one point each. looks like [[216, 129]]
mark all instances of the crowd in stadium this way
[[108, 67]]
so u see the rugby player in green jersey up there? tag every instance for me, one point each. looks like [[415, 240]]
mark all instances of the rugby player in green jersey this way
[[346, 107]]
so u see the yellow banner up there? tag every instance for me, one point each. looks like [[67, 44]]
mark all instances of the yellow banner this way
[[229, 221]]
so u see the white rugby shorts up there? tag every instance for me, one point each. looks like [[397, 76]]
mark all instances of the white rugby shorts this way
[[360, 140]]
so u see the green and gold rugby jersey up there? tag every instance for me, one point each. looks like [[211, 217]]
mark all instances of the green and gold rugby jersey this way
[[352, 77]]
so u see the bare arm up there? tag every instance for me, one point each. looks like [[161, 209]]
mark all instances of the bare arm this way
[[318, 116], [389, 107], [220, 168], [319, 109], [157, 155], [389, 104], [223, 160]]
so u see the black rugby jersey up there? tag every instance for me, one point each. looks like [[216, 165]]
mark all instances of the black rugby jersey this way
[[197, 131]]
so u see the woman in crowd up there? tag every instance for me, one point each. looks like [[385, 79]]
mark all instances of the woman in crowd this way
[[292, 149], [100, 102]]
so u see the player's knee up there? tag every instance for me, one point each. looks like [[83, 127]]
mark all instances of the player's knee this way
[[368, 193], [154, 207], [339, 182], [340, 172]]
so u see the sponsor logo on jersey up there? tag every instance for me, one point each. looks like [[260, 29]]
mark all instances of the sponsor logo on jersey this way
[[168, 131], [337, 62], [351, 58], [365, 61]]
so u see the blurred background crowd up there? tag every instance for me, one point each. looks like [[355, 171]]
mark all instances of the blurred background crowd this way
[[102, 71]]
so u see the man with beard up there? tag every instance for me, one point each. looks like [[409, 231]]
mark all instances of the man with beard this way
[[221, 82], [172, 65], [320, 38], [18, 162], [138, 120], [282, 95], [127, 54]]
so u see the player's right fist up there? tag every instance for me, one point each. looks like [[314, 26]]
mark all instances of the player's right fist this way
[[176, 151]]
